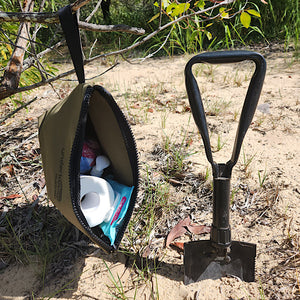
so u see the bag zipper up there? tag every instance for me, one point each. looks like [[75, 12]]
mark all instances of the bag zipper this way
[[74, 164]]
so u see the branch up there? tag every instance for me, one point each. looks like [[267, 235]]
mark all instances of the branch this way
[[111, 28], [46, 18], [94, 11], [51, 18], [52, 79]]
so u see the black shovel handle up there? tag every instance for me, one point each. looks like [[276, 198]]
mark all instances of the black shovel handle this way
[[251, 100]]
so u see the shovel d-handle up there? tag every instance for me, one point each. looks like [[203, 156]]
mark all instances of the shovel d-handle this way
[[220, 232], [250, 103]]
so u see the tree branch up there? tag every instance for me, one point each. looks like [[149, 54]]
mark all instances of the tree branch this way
[[13, 70], [51, 18], [111, 28], [94, 11]]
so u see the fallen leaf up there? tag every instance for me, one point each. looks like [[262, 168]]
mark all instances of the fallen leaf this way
[[13, 196], [136, 105], [178, 230], [8, 170], [178, 246], [151, 110], [182, 227], [198, 229], [186, 108]]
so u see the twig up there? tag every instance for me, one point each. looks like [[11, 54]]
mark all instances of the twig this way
[[111, 28], [16, 110], [91, 78], [9, 151], [92, 48], [258, 217], [162, 45], [18, 182], [94, 11]]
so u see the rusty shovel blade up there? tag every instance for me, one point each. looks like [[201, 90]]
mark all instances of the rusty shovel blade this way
[[202, 262]]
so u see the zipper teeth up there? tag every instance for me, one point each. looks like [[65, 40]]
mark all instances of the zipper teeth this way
[[74, 171], [74, 176], [132, 153]]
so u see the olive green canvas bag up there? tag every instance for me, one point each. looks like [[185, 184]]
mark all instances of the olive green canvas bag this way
[[89, 111]]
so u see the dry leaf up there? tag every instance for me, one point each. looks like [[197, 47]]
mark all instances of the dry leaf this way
[[8, 170], [182, 226], [178, 246], [136, 105], [178, 230], [151, 110], [198, 229], [10, 197]]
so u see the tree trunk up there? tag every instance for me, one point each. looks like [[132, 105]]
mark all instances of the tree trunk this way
[[13, 70]]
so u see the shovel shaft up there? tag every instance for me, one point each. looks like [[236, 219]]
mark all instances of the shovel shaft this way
[[220, 232]]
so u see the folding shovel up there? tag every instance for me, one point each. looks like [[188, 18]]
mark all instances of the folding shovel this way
[[220, 256]]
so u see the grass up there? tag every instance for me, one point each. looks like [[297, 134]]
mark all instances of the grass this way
[[262, 177], [219, 145], [216, 107], [246, 162], [117, 291], [152, 205]]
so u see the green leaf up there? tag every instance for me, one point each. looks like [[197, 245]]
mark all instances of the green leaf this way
[[177, 9], [245, 19], [253, 12], [165, 3], [153, 18], [223, 13], [184, 7], [208, 34], [200, 4], [170, 9]]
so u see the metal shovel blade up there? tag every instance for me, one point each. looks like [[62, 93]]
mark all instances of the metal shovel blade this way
[[201, 261]]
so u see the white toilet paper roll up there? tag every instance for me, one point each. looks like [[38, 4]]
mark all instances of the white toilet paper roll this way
[[97, 199]]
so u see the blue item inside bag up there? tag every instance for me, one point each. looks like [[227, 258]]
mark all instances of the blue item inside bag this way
[[122, 199]]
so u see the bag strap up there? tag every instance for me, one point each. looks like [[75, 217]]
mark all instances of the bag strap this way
[[69, 24]]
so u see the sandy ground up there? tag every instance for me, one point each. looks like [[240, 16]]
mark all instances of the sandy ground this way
[[265, 207]]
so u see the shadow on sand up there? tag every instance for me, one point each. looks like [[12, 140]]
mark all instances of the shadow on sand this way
[[40, 236]]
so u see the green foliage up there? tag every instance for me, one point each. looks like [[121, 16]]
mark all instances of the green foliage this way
[[6, 47], [281, 21], [220, 27]]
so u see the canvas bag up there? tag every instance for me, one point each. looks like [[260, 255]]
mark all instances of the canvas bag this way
[[90, 111]]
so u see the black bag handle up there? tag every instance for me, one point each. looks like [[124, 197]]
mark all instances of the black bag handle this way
[[69, 24]]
